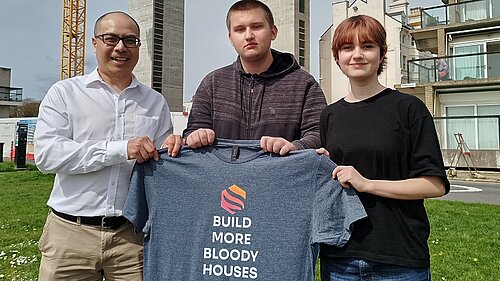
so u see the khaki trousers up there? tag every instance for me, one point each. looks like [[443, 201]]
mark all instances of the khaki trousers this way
[[72, 251]]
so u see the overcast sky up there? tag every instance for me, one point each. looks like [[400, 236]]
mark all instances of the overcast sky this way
[[30, 43]]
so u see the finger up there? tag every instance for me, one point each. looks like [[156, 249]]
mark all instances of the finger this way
[[195, 139], [345, 184], [189, 140], [143, 155], [148, 149], [323, 151], [277, 145], [335, 173], [176, 147], [266, 143], [204, 138], [171, 145], [156, 156], [286, 149], [263, 143], [133, 148], [211, 136]]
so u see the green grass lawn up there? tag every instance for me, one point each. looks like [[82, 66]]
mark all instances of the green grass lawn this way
[[464, 242]]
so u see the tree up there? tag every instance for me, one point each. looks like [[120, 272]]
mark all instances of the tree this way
[[29, 108]]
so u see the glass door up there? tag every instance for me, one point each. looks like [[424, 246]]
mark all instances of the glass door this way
[[478, 10], [465, 126], [471, 66]]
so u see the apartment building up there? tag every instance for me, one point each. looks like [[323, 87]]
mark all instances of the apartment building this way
[[293, 21], [161, 59], [9, 96], [460, 83], [394, 17]]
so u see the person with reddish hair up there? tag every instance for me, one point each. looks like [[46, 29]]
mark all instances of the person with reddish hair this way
[[387, 150]]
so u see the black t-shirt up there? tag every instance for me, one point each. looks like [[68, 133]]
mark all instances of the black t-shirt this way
[[390, 136]]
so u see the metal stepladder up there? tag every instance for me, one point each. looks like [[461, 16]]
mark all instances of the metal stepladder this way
[[462, 151]]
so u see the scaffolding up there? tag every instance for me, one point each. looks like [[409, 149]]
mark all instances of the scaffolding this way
[[73, 38]]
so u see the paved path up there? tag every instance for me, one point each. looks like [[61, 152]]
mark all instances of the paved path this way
[[474, 192], [482, 176]]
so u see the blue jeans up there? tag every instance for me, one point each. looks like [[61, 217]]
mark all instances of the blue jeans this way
[[360, 270]]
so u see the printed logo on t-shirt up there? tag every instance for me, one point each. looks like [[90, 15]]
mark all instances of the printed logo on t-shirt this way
[[230, 252], [232, 199]]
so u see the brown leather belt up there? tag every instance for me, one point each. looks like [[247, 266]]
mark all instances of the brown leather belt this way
[[102, 221]]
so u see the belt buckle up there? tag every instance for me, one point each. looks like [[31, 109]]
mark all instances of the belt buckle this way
[[104, 224], [110, 222]]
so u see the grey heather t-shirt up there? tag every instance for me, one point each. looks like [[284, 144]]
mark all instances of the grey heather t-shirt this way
[[233, 212]]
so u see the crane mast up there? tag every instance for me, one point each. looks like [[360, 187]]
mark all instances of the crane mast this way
[[73, 38]]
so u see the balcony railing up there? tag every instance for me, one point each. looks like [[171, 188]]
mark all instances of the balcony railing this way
[[11, 94], [458, 13], [479, 132], [455, 68]]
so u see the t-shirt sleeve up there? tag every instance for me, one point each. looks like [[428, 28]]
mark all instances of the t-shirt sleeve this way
[[136, 208], [335, 208], [426, 154]]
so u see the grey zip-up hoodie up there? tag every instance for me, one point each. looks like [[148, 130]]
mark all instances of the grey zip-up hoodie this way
[[284, 101]]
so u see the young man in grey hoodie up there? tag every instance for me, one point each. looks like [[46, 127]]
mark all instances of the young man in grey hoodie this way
[[264, 94]]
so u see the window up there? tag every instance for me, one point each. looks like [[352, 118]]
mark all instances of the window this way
[[470, 66], [157, 72], [302, 61], [478, 133], [302, 6], [474, 11], [302, 42]]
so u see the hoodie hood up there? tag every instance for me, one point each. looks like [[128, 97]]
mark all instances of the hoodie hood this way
[[283, 63], [283, 101]]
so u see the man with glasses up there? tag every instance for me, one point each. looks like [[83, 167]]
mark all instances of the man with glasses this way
[[91, 130]]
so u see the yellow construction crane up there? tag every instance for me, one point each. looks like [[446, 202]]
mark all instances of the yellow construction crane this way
[[73, 38]]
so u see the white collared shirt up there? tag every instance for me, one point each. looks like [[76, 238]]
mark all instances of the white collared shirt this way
[[82, 133]]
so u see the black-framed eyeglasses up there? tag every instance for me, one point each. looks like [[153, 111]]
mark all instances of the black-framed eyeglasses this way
[[113, 40]]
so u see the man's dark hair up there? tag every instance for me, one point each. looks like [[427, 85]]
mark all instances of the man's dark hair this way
[[245, 5], [98, 21]]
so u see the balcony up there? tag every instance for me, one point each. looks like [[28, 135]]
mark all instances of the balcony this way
[[8, 94], [466, 67], [459, 13], [469, 18]]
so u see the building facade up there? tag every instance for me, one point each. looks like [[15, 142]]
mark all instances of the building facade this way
[[401, 47], [461, 82], [292, 17], [161, 62], [9, 96]]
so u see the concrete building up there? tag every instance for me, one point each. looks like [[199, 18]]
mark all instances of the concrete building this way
[[461, 82], [161, 60], [9, 96], [401, 47], [294, 28]]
